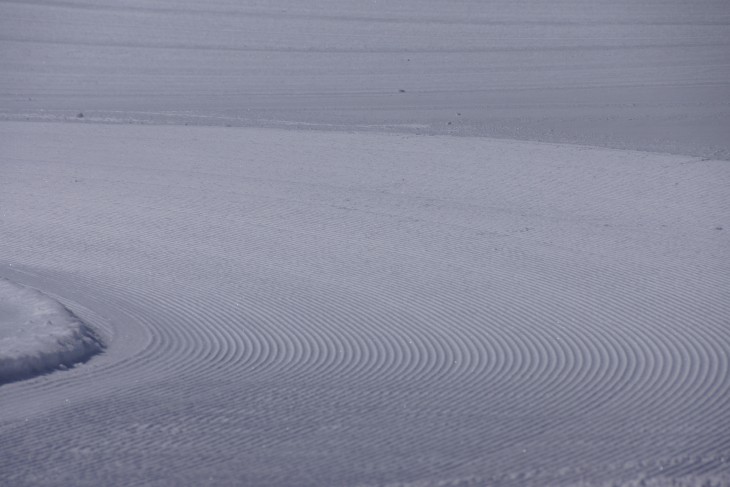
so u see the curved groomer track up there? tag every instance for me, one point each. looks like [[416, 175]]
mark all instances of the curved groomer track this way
[[358, 243], [286, 308]]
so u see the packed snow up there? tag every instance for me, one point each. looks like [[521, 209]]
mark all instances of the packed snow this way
[[627, 74], [344, 305], [362, 243]]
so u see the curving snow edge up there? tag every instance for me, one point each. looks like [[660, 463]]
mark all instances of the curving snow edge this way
[[38, 334]]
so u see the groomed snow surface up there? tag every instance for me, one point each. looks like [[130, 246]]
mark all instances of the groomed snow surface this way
[[627, 74], [311, 308], [381, 294], [37, 334]]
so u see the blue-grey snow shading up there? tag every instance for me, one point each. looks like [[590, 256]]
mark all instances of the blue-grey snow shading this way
[[318, 308], [323, 308], [628, 74], [38, 334]]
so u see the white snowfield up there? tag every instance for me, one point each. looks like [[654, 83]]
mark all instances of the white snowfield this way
[[37, 334], [442, 243]]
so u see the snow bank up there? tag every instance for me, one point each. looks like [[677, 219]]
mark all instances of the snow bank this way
[[38, 334]]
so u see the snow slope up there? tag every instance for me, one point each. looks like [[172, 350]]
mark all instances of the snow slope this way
[[312, 308], [37, 334], [637, 74], [363, 298]]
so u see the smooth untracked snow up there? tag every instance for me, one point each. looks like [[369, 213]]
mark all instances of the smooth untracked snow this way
[[310, 308], [37, 334]]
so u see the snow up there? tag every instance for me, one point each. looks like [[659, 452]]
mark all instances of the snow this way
[[624, 74], [351, 303], [38, 334], [349, 242]]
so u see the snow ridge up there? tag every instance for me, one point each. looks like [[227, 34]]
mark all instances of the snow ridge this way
[[38, 334]]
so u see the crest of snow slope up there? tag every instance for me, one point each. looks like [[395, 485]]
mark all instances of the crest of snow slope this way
[[38, 334]]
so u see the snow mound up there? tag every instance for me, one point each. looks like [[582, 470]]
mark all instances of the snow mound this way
[[38, 334]]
